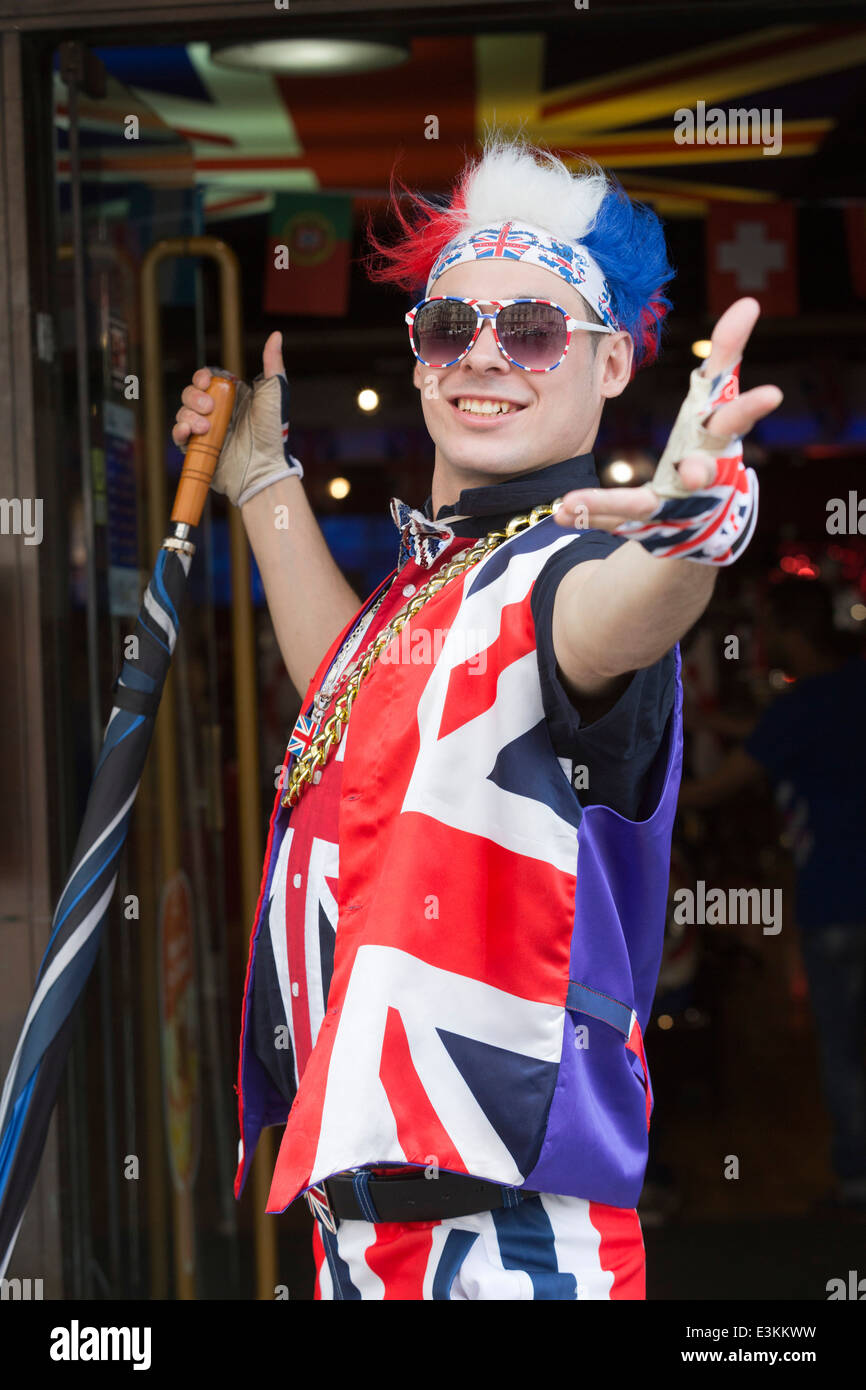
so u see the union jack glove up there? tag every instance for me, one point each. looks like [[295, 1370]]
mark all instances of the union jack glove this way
[[256, 449], [711, 525]]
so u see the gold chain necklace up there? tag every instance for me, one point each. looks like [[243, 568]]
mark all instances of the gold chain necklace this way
[[328, 737]]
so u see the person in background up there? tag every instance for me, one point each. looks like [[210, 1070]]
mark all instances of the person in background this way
[[809, 742]]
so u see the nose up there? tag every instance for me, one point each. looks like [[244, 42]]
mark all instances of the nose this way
[[485, 352]]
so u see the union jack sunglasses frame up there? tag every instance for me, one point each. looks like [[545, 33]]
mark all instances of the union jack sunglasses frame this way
[[498, 305]]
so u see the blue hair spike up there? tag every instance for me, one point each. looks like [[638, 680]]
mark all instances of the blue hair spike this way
[[627, 241]]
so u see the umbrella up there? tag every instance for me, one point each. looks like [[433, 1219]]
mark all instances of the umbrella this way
[[30, 1089]]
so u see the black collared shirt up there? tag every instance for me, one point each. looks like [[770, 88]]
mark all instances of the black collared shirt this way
[[619, 750], [496, 503]]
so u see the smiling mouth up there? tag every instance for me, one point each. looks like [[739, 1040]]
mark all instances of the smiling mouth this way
[[484, 408]]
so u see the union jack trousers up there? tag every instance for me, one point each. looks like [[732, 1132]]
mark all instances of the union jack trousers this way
[[547, 1247]]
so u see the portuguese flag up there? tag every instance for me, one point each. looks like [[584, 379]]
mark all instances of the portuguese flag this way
[[307, 257]]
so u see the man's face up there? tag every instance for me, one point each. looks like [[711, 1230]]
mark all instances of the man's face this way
[[557, 413]]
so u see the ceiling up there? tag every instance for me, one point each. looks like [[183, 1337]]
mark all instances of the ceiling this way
[[605, 82], [251, 134]]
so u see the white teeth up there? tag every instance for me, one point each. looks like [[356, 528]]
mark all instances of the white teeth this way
[[482, 407]]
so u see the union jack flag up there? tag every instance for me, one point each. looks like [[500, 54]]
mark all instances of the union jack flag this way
[[502, 242], [714, 524], [317, 1200], [435, 1028], [303, 734], [429, 1035]]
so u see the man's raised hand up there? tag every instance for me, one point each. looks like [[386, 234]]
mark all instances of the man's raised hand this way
[[607, 508], [256, 448]]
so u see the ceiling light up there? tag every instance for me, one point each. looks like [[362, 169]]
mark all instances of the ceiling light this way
[[620, 471], [339, 488], [368, 399], [702, 348], [311, 57]]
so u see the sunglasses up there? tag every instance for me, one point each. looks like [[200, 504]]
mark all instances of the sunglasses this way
[[532, 333]]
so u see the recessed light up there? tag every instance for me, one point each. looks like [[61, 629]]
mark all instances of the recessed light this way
[[310, 57]]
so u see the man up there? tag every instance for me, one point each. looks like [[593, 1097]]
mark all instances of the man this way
[[451, 1012], [808, 742]]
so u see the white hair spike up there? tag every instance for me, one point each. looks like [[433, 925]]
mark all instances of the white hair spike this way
[[514, 181]]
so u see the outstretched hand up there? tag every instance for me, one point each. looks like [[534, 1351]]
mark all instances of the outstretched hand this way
[[606, 508]]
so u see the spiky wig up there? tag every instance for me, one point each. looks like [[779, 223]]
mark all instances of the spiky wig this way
[[519, 182]]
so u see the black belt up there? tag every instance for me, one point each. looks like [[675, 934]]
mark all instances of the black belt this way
[[363, 1196]]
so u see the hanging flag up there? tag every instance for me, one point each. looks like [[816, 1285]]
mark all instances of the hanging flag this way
[[752, 251], [855, 235], [307, 257]]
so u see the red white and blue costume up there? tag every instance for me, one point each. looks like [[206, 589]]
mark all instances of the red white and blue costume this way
[[549, 1247], [455, 949], [481, 1007]]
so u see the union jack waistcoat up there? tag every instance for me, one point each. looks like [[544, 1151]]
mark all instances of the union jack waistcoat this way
[[498, 943]]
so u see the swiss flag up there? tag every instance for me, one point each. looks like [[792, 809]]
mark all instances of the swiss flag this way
[[752, 251]]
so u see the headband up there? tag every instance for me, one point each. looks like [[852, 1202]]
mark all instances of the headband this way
[[511, 241]]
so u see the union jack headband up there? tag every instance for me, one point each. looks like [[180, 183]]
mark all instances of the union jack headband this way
[[512, 241]]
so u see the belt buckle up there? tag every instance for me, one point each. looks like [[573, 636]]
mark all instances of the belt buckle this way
[[319, 1203]]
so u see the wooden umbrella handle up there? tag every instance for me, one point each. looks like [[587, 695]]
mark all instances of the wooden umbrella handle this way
[[204, 451]]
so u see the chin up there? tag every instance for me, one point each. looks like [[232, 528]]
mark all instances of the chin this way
[[498, 456], [486, 456], [481, 448]]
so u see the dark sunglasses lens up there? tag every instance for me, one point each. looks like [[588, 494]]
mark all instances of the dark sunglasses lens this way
[[442, 330], [534, 335]]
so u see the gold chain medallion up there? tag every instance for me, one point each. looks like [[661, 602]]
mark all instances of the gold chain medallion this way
[[328, 737]]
